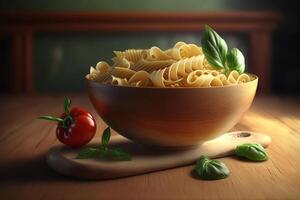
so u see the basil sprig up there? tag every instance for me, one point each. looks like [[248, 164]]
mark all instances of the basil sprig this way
[[254, 152], [214, 48], [216, 52], [211, 169], [104, 151], [235, 60], [105, 137]]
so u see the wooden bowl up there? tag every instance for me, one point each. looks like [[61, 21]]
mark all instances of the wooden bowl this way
[[171, 117]]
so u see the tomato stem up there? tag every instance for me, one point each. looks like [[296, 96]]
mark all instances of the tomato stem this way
[[67, 105], [50, 118], [68, 120]]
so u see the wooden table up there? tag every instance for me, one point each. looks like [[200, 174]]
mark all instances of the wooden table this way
[[24, 174]]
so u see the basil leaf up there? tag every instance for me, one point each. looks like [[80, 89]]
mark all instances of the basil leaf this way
[[254, 152], [235, 60], [211, 169], [105, 137], [87, 153], [67, 105], [103, 150], [120, 154], [214, 48]]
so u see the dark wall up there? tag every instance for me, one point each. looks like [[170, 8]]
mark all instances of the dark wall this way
[[134, 5], [286, 51], [5, 78], [60, 59]]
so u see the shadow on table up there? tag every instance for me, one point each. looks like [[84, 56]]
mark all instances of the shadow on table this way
[[27, 170], [18, 170], [36, 168]]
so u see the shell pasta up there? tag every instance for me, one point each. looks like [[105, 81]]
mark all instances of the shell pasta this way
[[183, 65]]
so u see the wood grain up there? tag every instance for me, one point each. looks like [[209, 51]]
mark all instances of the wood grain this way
[[24, 174]]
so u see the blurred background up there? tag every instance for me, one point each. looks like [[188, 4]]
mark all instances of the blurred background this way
[[47, 46]]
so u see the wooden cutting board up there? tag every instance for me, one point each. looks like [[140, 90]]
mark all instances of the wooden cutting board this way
[[145, 159]]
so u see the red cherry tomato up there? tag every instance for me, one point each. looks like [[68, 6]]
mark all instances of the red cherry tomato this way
[[76, 127], [79, 131]]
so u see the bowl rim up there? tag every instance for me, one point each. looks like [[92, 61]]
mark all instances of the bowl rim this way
[[176, 88]]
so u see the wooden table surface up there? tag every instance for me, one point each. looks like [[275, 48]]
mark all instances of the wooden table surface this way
[[24, 142]]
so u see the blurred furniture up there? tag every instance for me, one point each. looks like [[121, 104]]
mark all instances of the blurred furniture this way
[[24, 143], [22, 27]]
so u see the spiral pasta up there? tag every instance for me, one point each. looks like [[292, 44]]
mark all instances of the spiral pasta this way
[[122, 72], [121, 62], [183, 65], [151, 65], [101, 73], [119, 81], [182, 50], [132, 55], [203, 78], [156, 53], [159, 80], [140, 78]]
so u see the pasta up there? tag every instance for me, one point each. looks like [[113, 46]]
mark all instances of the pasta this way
[[182, 50], [157, 54], [151, 65], [140, 78], [101, 73], [119, 81], [158, 78], [183, 65], [203, 78], [121, 62], [132, 55], [121, 72]]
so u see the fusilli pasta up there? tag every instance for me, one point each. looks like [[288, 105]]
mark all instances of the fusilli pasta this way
[[183, 65]]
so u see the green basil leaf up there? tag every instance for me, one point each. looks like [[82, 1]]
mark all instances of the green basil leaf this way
[[67, 105], [254, 152], [211, 169], [120, 154], [235, 60], [105, 137], [103, 151], [87, 153], [214, 48]]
